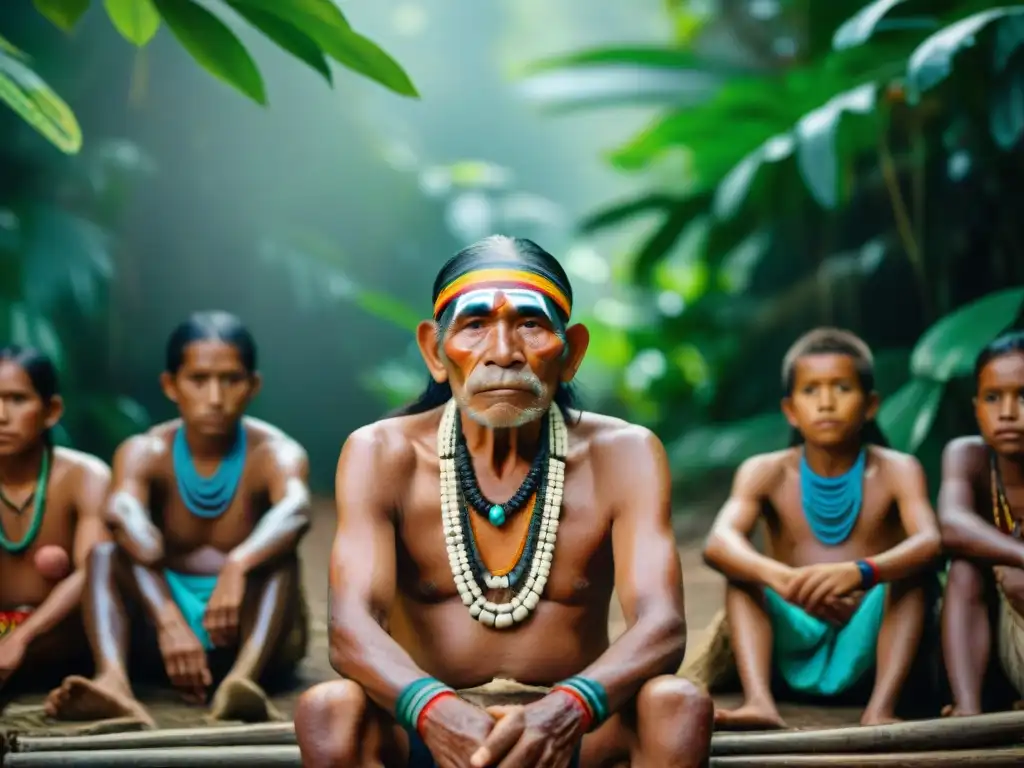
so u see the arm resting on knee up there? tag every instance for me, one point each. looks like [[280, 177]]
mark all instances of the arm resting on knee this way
[[281, 528], [126, 511], [363, 568], [648, 576], [728, 549]]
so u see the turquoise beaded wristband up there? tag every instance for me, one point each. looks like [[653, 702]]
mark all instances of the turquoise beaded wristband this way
[[593, 694], [414, 698]]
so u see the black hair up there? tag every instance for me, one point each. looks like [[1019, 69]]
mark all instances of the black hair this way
[[210, 326], [1009, 341], [825, 341], [497, 251], [41, 372]]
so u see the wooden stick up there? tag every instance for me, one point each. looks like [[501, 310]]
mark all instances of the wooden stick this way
[[995, 730], [181, 757], [982, 758], [220, 736]]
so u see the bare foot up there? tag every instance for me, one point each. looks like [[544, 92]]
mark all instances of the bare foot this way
[[879, 718], [79, 698], [238, 698], [951, 710], [751, 716]]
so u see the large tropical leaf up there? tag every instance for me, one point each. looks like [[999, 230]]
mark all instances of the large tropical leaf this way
[[735, 188], [63, 13], [26, 93], [886, 16], [948, 349], [933, 61], [136, 20], [26, 326], [907, 417], [286, 35], [213, 46], [322, 22], [726, 446], [657, 246], [620, 212]]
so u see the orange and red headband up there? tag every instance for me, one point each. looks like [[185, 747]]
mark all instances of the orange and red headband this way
[[501, 278]]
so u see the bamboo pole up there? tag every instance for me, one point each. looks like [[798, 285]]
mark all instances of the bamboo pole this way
[[979, 758], [994, 730], [180, 757], [258, 734]]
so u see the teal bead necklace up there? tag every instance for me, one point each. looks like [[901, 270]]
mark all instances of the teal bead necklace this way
[[208, 497], [17, 547], [832, 504]]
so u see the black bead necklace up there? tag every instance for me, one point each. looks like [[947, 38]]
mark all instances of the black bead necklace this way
[[497, 514]]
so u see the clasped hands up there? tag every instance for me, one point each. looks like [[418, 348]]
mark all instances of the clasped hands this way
[[829, 591], [543, 734]]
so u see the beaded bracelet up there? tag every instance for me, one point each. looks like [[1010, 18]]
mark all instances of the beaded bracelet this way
[[868, 573], [416, 698], [590, 694]]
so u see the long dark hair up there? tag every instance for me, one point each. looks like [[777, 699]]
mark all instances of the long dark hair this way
[[41, 372], [825, 341], [210, 326], [497, 250]]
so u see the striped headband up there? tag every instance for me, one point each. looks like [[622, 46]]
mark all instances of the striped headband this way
[[501, 278]]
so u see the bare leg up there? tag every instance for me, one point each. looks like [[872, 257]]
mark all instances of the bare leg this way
[[966, 637], [751, 635], [109, 694], [55, 652], [267, 618], [337, 726], [898, 641], [668, 725]]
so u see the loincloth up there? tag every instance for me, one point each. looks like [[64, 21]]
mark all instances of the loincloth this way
[[191, 593], [11, 620], [1011, 643]]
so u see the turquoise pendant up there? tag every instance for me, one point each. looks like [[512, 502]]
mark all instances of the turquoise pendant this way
[[496, 514]]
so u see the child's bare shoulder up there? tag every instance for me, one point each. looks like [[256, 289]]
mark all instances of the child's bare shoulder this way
[[760, 475]]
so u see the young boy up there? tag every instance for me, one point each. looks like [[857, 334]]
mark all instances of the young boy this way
[[848, 524], [981, 506]]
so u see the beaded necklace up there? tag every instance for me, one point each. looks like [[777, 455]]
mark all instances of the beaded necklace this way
[[832, 504], [529, 575], [1002, 513], [17, 547], [208, 497]]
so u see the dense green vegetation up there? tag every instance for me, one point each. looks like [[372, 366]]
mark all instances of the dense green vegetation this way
[[860, 167]]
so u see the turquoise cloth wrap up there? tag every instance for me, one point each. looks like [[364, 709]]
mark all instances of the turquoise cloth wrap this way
[[815, 657], [191, 592]]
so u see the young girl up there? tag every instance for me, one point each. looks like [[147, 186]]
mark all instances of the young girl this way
[[981, 508]]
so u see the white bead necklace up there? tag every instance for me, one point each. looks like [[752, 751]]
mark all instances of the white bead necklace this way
[[521, 605]]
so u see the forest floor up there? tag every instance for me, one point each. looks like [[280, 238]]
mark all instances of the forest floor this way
[[704, 593]]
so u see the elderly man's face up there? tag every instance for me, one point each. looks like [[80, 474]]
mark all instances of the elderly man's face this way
[[504, 353]]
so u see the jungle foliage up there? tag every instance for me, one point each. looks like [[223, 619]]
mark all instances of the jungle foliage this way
[[858, 166], [313, 31]]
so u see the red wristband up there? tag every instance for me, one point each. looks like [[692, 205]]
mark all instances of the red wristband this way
[[422, 719], [588, 716]]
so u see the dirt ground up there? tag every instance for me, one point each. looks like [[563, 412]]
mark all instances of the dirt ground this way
[[704, 592]]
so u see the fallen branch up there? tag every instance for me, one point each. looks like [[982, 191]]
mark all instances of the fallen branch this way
[[183, 757], [980, 758], [259, 734], [995, 730]]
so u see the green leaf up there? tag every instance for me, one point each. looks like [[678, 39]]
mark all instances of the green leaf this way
[[881, 16], [62, 13], [907, 417], [948, 349], [817, 133], [1006, 110], [322, 22], [287, 36], [726, 446], [213, 46], [21, 324], [115, 418], [26, 93], [388, 308], [736, 187], [7, 47], [623, 211], [136, 20], [932, 61], [646, 56], [658, 245]]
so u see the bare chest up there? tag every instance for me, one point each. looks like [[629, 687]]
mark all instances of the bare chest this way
[[581, 566], [20, 581], [186, 529]]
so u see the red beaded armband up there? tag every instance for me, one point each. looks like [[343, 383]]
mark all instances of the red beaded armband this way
[[422, 718]]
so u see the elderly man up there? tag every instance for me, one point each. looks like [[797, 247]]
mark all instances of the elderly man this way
[[480, 535]]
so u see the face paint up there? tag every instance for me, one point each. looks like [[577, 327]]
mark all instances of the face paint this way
[[484, 301]]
